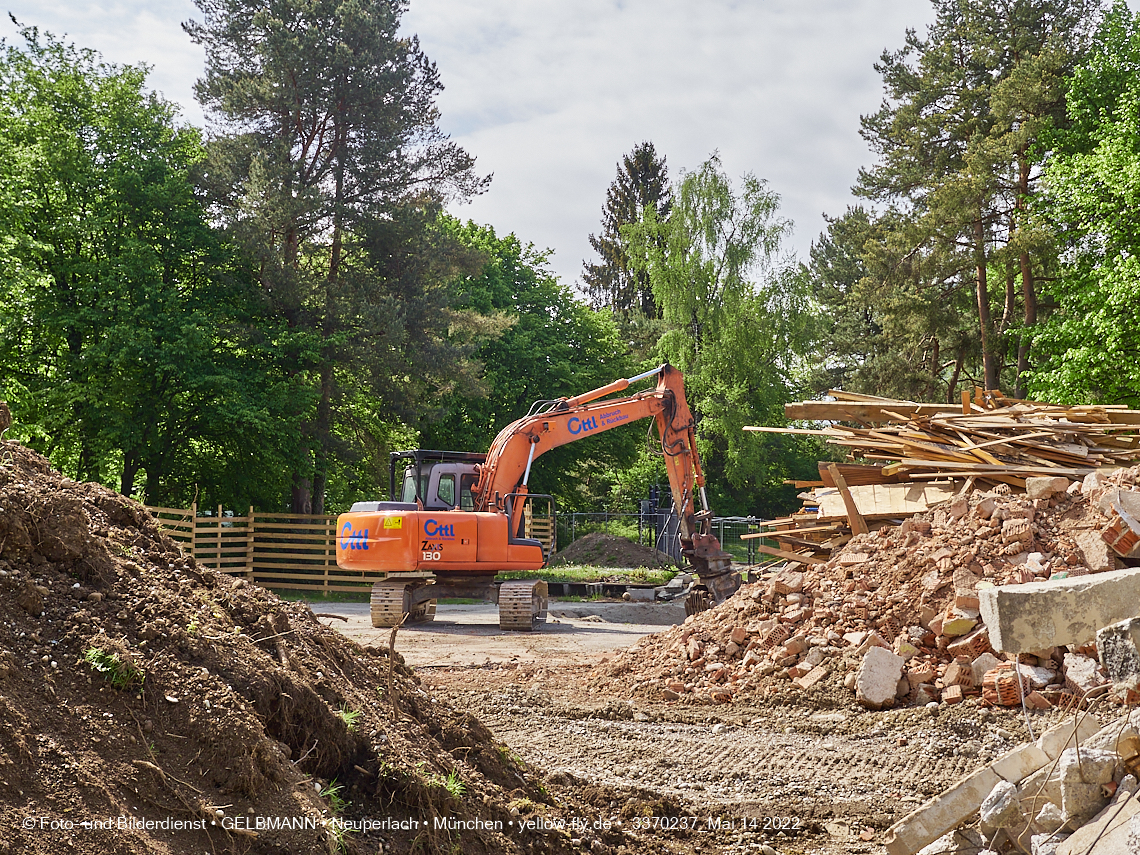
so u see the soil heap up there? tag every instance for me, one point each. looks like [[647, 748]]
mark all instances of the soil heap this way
[[148, 704], [610, 550], [893, 616]]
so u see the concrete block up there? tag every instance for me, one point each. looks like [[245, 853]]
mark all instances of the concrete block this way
[[1046, 844], [1056, 739], [1119, 649], [941, 815], [1039, 677], [1001, 807], [1107, 833], [1044, 487], [1081, 801], [959, 621], [1050, 819], [1020, 763], [877, 681], [1086, 766], [1094, 552], [963, 841], [1040, 789], [1082, 674], [1037, 615], [947, 811]]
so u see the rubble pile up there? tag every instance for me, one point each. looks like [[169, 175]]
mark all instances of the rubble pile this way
[[894, 616], [1070, 792], [181, 709]]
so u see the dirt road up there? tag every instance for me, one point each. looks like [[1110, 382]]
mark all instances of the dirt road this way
[[470, 635], [796, 778]]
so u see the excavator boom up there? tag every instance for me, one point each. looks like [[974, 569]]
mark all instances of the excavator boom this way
[[507, 468]]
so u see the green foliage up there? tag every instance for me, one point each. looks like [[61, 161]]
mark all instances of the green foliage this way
[[958, 140], [349, 717], [887, 332], [552, 346], [328, 175], [334, 792], [1091, 344], [117, 296], [454, 786], [737, 323], [116, 670], [642, 183]]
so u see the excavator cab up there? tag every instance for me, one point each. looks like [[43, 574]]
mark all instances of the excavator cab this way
[[435, 480]]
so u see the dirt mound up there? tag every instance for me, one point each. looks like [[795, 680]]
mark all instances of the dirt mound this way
[[608, 550], [801, 635], [148, 704]]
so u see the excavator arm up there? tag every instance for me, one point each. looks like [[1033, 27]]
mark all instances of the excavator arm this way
[[551, 424]]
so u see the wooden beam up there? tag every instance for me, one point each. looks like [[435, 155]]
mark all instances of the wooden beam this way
[[854, 518], [782, 553]]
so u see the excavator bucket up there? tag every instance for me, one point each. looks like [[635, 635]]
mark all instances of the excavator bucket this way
[[713, 567]]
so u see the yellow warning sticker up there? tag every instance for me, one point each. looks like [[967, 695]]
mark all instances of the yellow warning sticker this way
[[393, 522]]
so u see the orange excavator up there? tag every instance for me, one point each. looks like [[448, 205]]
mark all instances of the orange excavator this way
[[459, 518]]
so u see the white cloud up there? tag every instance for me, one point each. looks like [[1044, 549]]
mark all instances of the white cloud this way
[[127, 33], [549, 94]]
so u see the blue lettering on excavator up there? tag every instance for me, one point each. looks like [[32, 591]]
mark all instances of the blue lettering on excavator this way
[[433, 528], [577, 425], [351, 538]]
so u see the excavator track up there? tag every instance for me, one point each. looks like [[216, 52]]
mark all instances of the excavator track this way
[[391, 599], [522, 605]]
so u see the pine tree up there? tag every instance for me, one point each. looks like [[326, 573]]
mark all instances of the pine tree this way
[[642, 183], [957, 138], [329, 123]]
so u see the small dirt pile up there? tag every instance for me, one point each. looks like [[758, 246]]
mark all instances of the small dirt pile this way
[[894, 615], [151, 705], [608, 550]]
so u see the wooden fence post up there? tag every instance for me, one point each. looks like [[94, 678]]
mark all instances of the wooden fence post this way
[[249, 533], [194, 530]]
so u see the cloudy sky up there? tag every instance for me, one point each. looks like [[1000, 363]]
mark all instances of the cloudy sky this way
[[548, 94]]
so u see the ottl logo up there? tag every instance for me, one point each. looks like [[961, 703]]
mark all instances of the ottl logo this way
[[577, 425], [351, 538], [433, 528]]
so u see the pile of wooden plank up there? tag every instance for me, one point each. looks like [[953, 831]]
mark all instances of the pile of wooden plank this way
[[904, 457]]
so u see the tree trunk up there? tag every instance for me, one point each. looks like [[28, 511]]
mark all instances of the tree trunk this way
[[1010, 301], [130, 471], [324, 434], [1028, 286], [985, 322], [958, 365], [329, 328], [302, 494], [1029, 294]]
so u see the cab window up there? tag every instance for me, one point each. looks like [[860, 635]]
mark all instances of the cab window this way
[[466, 496], [409, 492], [445, 491]]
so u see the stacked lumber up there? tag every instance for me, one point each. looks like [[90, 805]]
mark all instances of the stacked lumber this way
[[904, 457]]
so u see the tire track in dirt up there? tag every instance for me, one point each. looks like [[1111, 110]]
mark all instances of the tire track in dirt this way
[[733, 767]]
